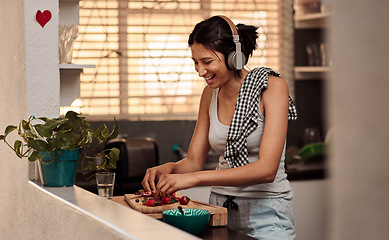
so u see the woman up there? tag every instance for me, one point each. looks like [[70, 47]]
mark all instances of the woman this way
[[243, 116]]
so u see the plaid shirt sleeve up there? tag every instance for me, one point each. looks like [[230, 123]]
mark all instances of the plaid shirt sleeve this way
[[245, 119]]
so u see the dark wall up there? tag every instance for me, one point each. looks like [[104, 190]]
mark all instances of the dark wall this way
[[309, 100], [165, 133]]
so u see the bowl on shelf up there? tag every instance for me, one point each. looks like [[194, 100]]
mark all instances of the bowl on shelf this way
[[313, 152], [192, 220]]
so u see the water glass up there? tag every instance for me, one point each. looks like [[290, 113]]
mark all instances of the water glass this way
[[105, 183]]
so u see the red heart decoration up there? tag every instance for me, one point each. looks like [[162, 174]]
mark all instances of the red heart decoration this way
[[43, 17]]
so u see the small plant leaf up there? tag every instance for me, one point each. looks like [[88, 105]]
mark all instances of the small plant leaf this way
[[71, 115], [34, 156], [43, 130], [28, 135], [38, 145], [67, 141], [54, 123], [101, 133], [87, 138], [9, 129], [114, 154], [43, 119], [17, 147], [89, 166], [52, 144], [115, 131], [25, 125], [112, 165], [113, 157]]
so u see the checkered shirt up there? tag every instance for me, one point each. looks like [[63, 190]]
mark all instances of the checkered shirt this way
[[246, 116]]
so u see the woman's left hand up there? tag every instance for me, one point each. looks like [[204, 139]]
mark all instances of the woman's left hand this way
[[171, 183]]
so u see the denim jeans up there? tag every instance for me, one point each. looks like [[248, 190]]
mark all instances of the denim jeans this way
[[265, 219]]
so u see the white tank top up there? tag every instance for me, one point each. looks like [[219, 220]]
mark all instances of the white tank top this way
[[217, 139]]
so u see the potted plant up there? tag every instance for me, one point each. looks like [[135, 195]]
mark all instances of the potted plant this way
[[59, 143]]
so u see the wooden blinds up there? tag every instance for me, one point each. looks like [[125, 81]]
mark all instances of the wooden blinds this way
[[143, 64]]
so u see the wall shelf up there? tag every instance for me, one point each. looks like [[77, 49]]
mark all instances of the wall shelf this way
[[75, 66], [70, 82], [311, 20], [311, 72], [70, 73]]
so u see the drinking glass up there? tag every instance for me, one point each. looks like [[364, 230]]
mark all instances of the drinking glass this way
[[314, 54], [105, 182]]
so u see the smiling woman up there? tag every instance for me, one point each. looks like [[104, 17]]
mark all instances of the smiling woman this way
[[143, 64], [243, 116]]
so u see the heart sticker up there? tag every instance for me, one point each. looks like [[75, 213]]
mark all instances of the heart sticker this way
[[43, 17]]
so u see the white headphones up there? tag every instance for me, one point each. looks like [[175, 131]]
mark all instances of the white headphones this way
[[236, 59]]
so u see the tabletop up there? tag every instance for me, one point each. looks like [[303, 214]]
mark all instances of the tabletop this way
[[211, 233]]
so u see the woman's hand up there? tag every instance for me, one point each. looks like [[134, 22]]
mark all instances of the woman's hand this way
[[171, 183], [154, 174]]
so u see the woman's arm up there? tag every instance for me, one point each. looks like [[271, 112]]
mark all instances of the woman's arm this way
[[197, 152], [275, 108]]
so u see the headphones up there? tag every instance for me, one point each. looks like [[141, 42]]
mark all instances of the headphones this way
[[235, 59]]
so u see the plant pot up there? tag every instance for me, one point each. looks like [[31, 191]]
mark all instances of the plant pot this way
[[59, 170]]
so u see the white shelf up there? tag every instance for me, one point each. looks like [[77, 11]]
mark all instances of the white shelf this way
[[70, 0], [70, 82], [75, 66], [69, 73], [311, 72], [312, 20]]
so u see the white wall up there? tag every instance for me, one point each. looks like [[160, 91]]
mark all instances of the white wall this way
[[358, 96], [310, 208], [30, 85], [12, 107], [41, 60]]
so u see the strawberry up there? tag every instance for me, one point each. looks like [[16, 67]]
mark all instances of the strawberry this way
[[166, 200], [184, 200], [150, 202]]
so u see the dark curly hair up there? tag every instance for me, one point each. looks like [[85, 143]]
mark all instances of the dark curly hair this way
[[215, 34]]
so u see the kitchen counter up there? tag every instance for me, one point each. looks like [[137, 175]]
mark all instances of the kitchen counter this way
[[314, 171], [211, 233], [122, 222]]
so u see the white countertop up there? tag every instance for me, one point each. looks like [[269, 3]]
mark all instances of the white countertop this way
[[123, 220]]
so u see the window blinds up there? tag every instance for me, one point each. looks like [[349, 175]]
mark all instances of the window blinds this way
[[143, 64]]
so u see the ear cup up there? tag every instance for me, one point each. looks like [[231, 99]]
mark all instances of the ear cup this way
[[236, 60]]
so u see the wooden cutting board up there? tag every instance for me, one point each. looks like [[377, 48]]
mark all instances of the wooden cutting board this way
[[219, 216], [139, 206]]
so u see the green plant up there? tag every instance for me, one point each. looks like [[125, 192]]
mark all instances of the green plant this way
[[67, 132]]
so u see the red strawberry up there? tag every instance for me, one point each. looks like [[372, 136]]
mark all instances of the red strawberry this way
[[150, 202], [176, 199], [166, 200], [184, 200]]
